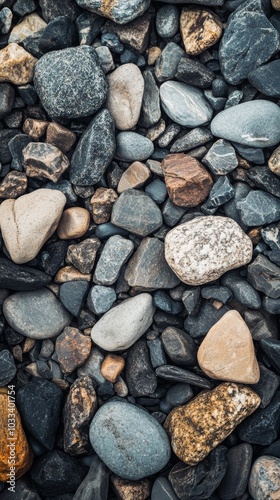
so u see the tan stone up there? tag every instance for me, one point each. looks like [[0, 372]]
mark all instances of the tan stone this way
[[131, 490], [61, 137], [255, 235], [28, 344], [13, 185], [44, 161], [74, 223], [101, 204], [200, 29], [275, 4], [32, 369], [83, 255], [72, 349], [29, 26], [70, 273], [136, 33], [153, 54], [16, 65], [112, 367], [199, 426], [227, 352], [264, 482], [134, 177], [15, 453], [274, 160], [34, 128], [155, 132]]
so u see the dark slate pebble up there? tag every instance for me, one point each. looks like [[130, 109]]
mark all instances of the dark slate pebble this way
[[167, 63], [230, 208], [5, 136], [191, 300], [221, 293], [59, 34], [179, 394], [7, 96], [157, 355], [150, 113], [140, 376], [219, 88], [53, 257], [164, 302], [259, 208], [267, 385], [176, 374], [243, 292], [179, 346], [28, 94], [221, 192], [72, 295], [217, 103], [39, 403], [104, 231], [199, 325], [272, 306], [157, 191], [221, 158], [193, 139], [163, 319], [96, 482], [266, 79], [255, 155], [52, 9], [7, 367], [171, 213], [16, 145], [100, 299], [273, 450], [163, 490], [65, 187], [16, 277], [88, 25], [112, 41], [194, 73], [23, 7], [24, 491], [264, 179], [167, 21], [43, 369], [265, 276], [235, 480], [234, 98], [271, 347]]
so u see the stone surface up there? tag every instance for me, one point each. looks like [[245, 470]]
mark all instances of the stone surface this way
[[27, 27], [264, 179], [179, 346], [70, 273], [7, 96], [150, 112], [116, 11], [135, 33], [193, 139], [163, 490], [267, 385], [259, 208], [188, 183], [195, 73], [80, 96], [188, 107], [175, 374], [271, 348], [167, 62], [100, 299], [7, 367], [120, 327], [134, 176], [274, 162], [96, 482], [17, 65], [34, 128], [59, 136], [129, 441], [253, 123], [72, 295], [44, 161], [83, 255], [115, 253], [101, 204], [92, 366], [227, 352], [72, 349], [167, 21], [21, 277], [265, 79], [140, 376], [60, 33], [36, 314], [74, 223], [198, 427], [235, 480], [242, 291], [129, 490], [133, 147], [27, 223], [221, 158], [203, 249], [200, 29], [112, 367], [264, 478]]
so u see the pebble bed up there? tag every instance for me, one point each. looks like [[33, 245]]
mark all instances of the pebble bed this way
[[139, 250]]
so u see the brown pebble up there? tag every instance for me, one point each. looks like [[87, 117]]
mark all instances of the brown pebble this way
[[153, 54], [242, 163], [72, 349], [155, 132], [112, 367], [101, 204], [134, 176], [217, 304], [200, 29], [16, 65], [44, 161], [28, 344], [121, 388], [74, 223], [17, 353], [60, 136], [136, 33], [131, 490], [62, 384], [13, 185], [34, 128], [255, 235], [274, 160], [275, 4], [83, 255], [69, 273]]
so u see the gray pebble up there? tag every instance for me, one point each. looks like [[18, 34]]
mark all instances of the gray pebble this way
[[133, 147], [100, 299]]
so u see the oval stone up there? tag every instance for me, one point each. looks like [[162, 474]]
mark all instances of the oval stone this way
[[253, 123], [133, 147], [184, 104], [204, 248], [129, 441], [264, 480]]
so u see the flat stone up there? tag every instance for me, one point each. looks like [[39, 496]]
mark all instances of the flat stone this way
[[188, 183], [167, 21], [27, 223], [227, 352], [136, 33], [117, 12], [114, 255], [157, 355], [92, 367], [200, 29], [263, 427], [235, 480], [150, 112], [134, 176], [265, 79], [264, 478], [203, 249], [191, 300], [193, 139], [156, 190], [194, 73], [274, 162], [96, 482], [133, 147], [60, 136], [123, 325], [129, 441], [147, 269], [241, 49], [175, 374], [21, 277], [72, 295], [179, 346], [83, 255], [7, 96], [100, 299], [263, 178], [221, 158], [126, 210], [7, 367], [267, 385], [72, 349], [60, 33], [70, 273], [271, 347], [179, 394], [101, 204], [259, 208], [44, 161], [188, 106], [199, 426], [36, 314], [62, 98], [17, 65], [253, 123], [74, 223], [30, 25], [140, 376]]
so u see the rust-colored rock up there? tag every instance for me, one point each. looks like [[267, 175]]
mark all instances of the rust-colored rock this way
[[199, 426], [83, 255], [15, 454], [134, 176], [69, 273], [74, 223], [136, 33], [101, 204], [44, 161], [80, 406], [200, 29], [131, 490], [13, 185], [16, 65], [72, 349], [61, 137], [112, 367], [35, 128], [187, 181]]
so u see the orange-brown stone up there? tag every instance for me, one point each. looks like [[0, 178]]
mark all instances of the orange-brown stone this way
[[101, 204], [74, 223], [61, 137], [131, 490], [72, 349], [200, 29], [187, 181], [35, 128], [112, 367], [70, 273], [134, 176]]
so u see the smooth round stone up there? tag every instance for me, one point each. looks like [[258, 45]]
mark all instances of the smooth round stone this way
[[253, 123], [185, 104], [129, 441], [36, 314], [167, 21], [7, 367], [264, 482], [132, 147], [204, 248]]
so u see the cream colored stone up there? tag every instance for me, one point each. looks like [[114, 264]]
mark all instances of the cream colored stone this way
[[274, 160], [275, 4], [200, 29], [28, 222], [74, 223], [134, 177], [16, 65], [29, 26], [227, 352], [153, 54]]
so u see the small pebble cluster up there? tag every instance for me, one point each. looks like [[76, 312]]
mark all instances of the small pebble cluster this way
[[140, 249]]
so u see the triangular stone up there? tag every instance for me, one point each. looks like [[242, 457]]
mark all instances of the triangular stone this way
[[227, 352]]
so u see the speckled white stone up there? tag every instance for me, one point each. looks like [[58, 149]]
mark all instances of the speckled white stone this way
[[264, 482], [204, 248]]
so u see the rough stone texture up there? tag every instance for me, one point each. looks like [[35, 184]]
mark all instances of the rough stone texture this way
[[151, 112], [259, 208], [126, 89], [36, 314], [74, 223], [83, 255], [80, 406], [112, 367], [59, 136], [133, 147], [129, 441], [265, 79], [82, 94], [131, 490], [227, 352], [44, 161], [221, 158], [120, 327], [263, 426], [27, 27], [134, 176], [13, 185], [200, 29], [16, 277], [254, 123], [34, 128], [72, 349], [140, 376], [201, 250], [147, 269], [101, 204], [115, 253], [28, 222], [135, 33], [264, 276], [274, 162], [16, 65], [179, 346], [9, 443], [70, 273], [188, 183], [117, 11], [198, 427], [264, 479]]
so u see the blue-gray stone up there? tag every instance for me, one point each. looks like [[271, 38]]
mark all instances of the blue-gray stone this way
[[185, 104], [251, 154], [6, 17], [72, 295], [89, 25], [190, 299], [259, 208], [96, 482], [167, 63], [133, 147], [272, 306], [171, 213], [253, 123], [104, 231], [219, 88], [179, 394], [221, 293], [249, 40], [115, 253], [60, 33], [195, 73], [151, 112], [198, 326], [119, 12], [271, 236], [65, 187], [7, 96], [168, 135], [101, 298], [163, 490], [7, 367], [176, 374], [265, 276], [217, 103], [16, 146], [264, 179], [234, 98], [112, 41], [221, 192], [266, 79], [164, 302], [157, 190], [129, 441], [193, 139], [271, 347], [267, 385], [105, 58], [19, 277], [242, 291], [230, 208], [156, 352], [235, 481], [167, 21]]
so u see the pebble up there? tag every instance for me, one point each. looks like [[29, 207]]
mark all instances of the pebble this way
[[227, 352], [126, 88], [101, 204], [7, 96], [44, 161], [163, 490], [100, 299], [21, 277], [253, 123], [133, 147], [59, 136], [117, 12], [30, 25], [264, 179], [271, 347], [129, 441], [72, 295], [167, 62], [242, 291], [27, 223], [74, 223], [115, 254], [92, 367], [150, 112], [200, 29], [134, 176], [263, 427], [35, 129], [112, 367], [195, 73], [188, 107], [203, 249], [167, 21], [265, 79], [127, 490], [264, 478], [274, 162], [221, 158], [135, 33], [70, 273], [259, 208], [156, 190], [191, 300], [6, 18], [17, 65], [36, 314], [126, 209], [193, 139], [60, 33], [174, 374], [132, 318], [72, 349], [230, 208], [221, 192], [140, 377], [96, 482], [220, 293], [80, 96], [198, 427], [235, 480], [7, 367], [105, 58], [179, 346], [267, 386], [157, 355], [83, 255]]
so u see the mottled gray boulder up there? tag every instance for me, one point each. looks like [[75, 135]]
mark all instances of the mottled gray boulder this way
[[119, 11]]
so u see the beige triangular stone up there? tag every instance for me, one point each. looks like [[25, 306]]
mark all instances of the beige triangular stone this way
[[227, 352]]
